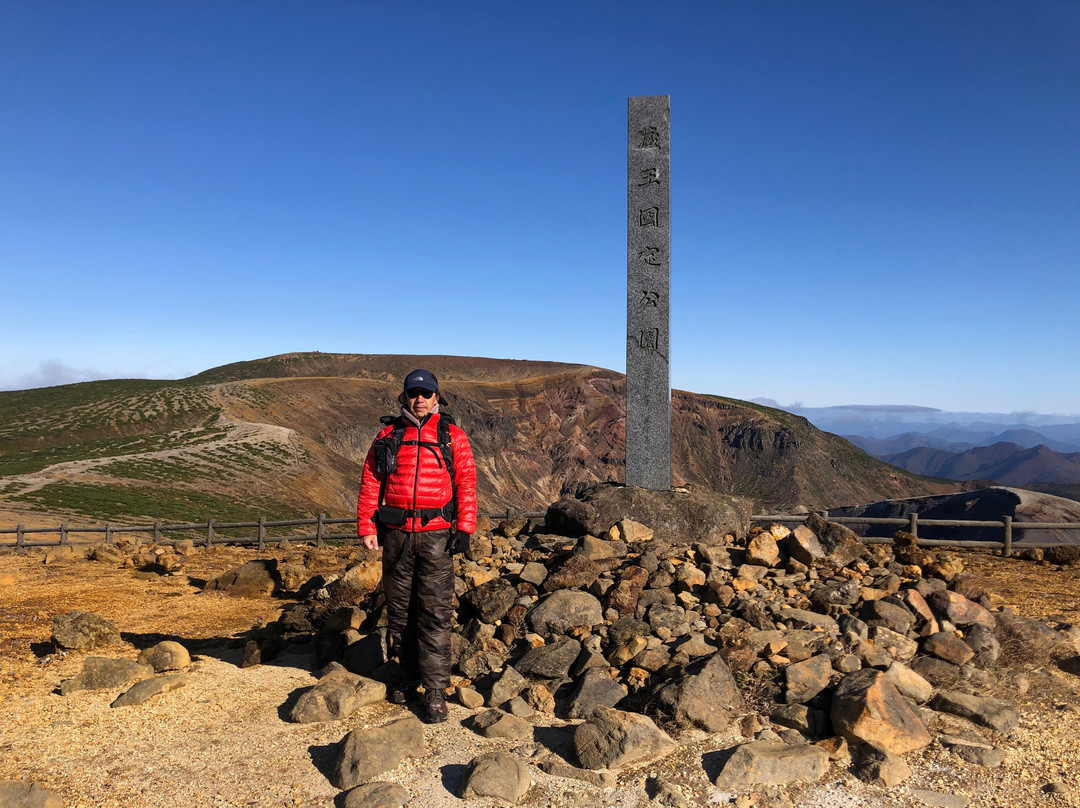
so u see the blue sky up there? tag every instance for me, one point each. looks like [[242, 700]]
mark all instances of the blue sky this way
[[871, 202]]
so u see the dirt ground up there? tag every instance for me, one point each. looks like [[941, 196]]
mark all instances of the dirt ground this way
[[221, 740]]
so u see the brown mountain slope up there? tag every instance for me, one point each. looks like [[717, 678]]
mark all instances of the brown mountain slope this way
[[288, 434]]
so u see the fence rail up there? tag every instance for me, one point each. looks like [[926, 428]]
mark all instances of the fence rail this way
[[209, 531], [912, 522]]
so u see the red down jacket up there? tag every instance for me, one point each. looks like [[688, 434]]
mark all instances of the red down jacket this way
[[420, 480]]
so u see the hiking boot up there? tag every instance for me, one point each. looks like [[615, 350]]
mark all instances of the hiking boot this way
[[403, 691], [435, 706]]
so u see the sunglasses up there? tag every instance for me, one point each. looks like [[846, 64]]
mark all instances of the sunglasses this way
[[419, 392]]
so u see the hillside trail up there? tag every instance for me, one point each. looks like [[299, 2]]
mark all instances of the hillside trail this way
[[237, 431]]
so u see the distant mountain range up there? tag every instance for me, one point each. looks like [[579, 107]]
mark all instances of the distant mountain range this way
[[1006, 463], [1022, 449]]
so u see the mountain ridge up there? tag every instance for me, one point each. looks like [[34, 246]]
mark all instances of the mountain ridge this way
[[288, 434]]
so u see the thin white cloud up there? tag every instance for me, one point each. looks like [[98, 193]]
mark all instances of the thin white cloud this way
[[49, 373]]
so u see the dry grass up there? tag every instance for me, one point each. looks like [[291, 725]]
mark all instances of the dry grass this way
[[1034, 589]]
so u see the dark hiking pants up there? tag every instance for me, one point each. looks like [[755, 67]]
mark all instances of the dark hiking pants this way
[[418, 581]]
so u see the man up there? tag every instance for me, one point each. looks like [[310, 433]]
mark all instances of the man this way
[[418, 497]]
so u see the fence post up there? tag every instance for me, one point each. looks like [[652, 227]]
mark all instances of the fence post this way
[[319, 530], [262, 533], [157, 532], [108, 533], [1006, 549], [913, 524], [19, 537], [509, 513], [209, 532], [63, 533]]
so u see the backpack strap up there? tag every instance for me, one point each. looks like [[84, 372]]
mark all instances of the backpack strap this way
[[446, 445], [394, 441]]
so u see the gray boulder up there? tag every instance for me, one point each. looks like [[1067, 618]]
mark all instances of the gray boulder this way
[[20, 794], [937, 672], [909, 683], [376, 795], [676, 516], [706, 697], [802, 545], [611, 739], [492, 600], [806, 679], [1036, 638], [255, 579], [508, 685], [102, 673], [626, 628], [889, 615], [149, 688], [958, 610], [669, 618], [497, 775], [495, 723], [367, 753], [166, 656], [867, 708], [973, 749], [840, 543], [804, 619], [533, 573], [595, 689], [562, 610], [338, 694], [947, 646], [982, 641], [557, 767], [896, 645], [846, 593], [83, 631], [551, 661], [772, 763], [1000, 716], [809, 722]]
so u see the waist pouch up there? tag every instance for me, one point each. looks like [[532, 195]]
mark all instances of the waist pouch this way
[[391, 516]]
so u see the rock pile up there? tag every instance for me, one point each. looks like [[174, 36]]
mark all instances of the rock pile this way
[[652, 620], [86, 631], [843, 648]]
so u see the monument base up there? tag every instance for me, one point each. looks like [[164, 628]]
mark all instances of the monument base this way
[[678, 517]]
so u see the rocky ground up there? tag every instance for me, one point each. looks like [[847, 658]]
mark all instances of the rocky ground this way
[[224, 738]]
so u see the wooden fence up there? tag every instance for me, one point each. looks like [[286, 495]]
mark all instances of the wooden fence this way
[[208, 531], [911, 523]]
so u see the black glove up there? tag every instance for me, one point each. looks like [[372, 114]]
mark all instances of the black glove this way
[[458, 543]]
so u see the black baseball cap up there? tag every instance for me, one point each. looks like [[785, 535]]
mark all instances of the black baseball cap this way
[[424, 379]]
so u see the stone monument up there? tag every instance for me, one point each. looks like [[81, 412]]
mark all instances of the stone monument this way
[[648, 267]]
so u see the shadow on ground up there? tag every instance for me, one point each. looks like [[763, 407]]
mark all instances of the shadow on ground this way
[[713, 762], [558, 740], [453, 776], [322, 758]]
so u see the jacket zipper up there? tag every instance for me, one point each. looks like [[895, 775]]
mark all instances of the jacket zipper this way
[[416, 477]]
